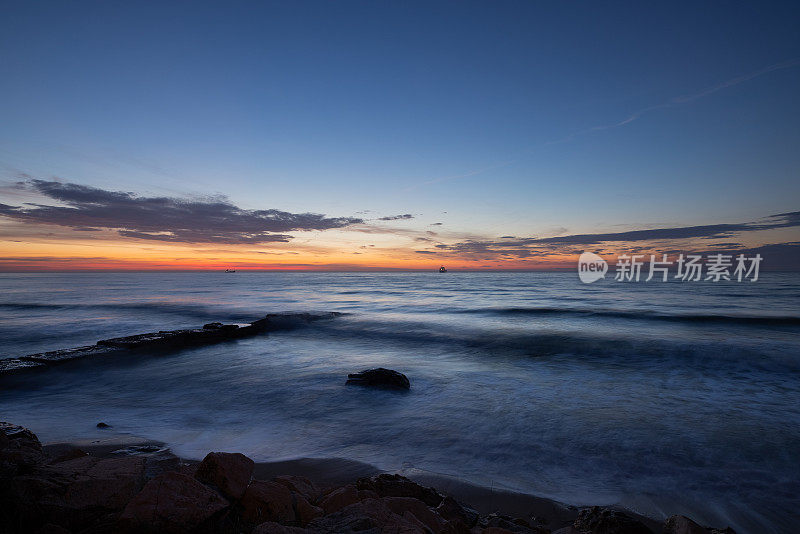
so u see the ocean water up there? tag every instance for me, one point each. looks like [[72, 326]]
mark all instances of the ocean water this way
[[664, 397]]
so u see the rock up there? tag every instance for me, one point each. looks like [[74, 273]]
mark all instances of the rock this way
[[220, 326], [305, 511], [50, 528], [339, 498], [229, 472], [160, 462], [599, 520], [379, 377], [65, 453], [108, 484], [678, 524], [20, 450], [455, 526], [370, 516], [76, 493], [509, 524], [162, 340], [103, 425], [267, 501], [401, 505], [300, 485], [172, 502], [387, 485], [450, 509], [270, 527]]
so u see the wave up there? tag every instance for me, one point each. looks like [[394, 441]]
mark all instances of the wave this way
[[643, 315], [169, 308], [606, 348]]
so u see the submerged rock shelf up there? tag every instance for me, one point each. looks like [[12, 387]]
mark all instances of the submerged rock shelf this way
[[164, 340]]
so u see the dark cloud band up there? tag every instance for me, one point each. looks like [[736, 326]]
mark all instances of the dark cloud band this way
[[210, 220]]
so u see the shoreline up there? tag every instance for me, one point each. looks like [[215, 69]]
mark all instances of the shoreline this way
[[331, 473]]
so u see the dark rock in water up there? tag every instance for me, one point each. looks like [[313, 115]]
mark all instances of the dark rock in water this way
[[163, 340], [379, 377], [229, 472], [20, 450], [220, 326], [103, 425], [598, 520]]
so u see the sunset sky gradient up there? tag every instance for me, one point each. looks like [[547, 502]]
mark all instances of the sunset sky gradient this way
[[364, 135]]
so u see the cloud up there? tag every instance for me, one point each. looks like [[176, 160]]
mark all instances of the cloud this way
[[397, 217], [671, 103], [193, 220], [523, 247]]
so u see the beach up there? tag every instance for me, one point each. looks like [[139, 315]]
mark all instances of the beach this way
[[656, 399]]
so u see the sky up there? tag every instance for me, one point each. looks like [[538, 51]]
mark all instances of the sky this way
[[395, 135]]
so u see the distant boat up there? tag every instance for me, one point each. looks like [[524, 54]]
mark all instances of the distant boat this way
[[442, 269], [230, 270]]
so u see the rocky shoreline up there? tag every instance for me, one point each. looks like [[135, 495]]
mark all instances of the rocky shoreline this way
[[142, 488], [163, 340]]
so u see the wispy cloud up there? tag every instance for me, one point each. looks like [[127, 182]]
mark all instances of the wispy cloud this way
[[186, 220], [532, 246], [405, 216], [686, 99], [671, 103]]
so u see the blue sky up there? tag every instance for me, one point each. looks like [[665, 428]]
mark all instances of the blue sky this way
[[500, 114]]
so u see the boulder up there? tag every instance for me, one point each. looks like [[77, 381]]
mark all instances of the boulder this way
[[598, 520], [305, 511], [678, 524], [339, 498], [300, 485], [270, 527], [64, 454], [379, 377], [229, 472], [160, 462], [387, 485], [401, 505], [20, 450], [450, 509], [108, 484], [171, 503], [268, 501], [76, 493], [370, 516], [510, 524]]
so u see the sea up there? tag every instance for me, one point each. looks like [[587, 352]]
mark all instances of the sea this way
[[664, 397]]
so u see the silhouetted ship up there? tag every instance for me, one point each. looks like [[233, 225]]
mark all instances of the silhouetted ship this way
[[230, 270], [442, 269]]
